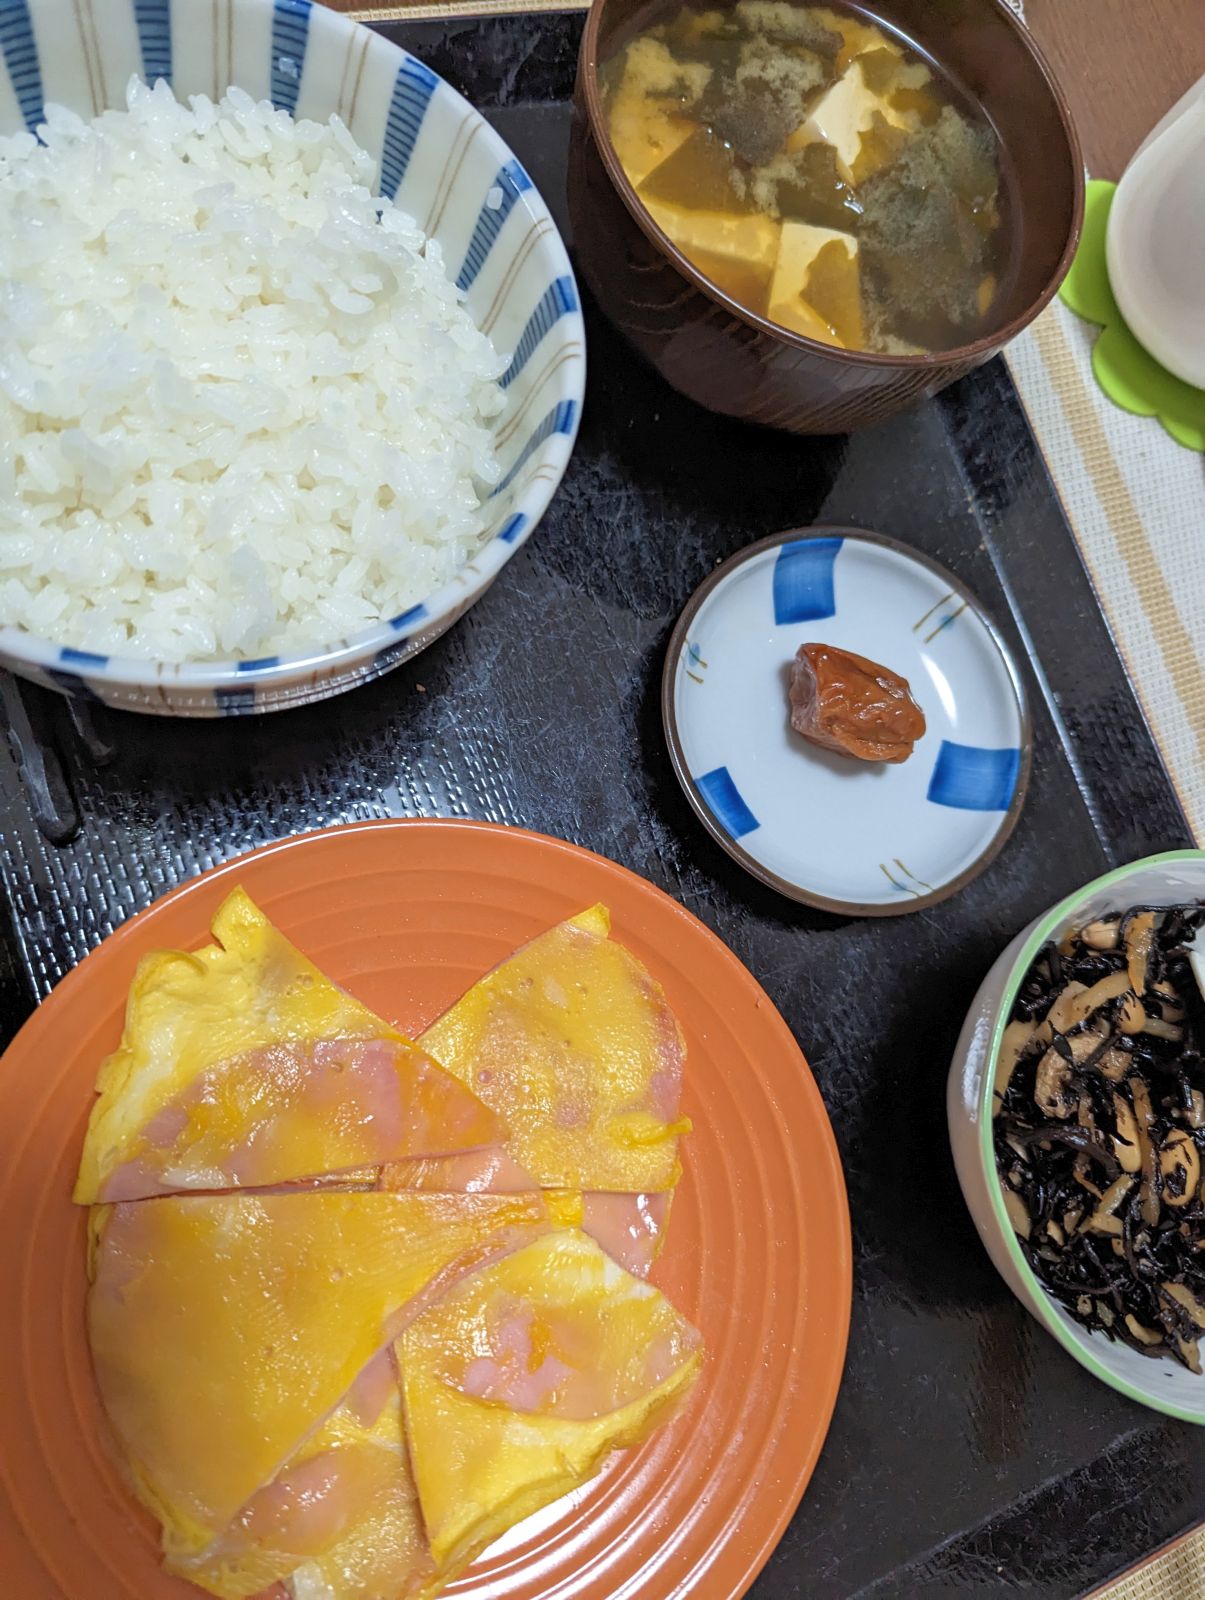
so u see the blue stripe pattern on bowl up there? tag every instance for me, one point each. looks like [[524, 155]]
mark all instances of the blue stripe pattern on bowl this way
[[411, 96], [21, 59], [392, 654], [562, 419], [439, 160], [155, 37], [405, 618], [235, 702], [558, 300], [290, 31], [500, 200]]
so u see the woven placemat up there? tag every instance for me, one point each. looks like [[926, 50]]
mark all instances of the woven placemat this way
[[1177, 1572], [1136, 502], [420, 10]]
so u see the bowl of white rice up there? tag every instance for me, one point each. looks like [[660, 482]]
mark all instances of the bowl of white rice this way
[[291, 353]]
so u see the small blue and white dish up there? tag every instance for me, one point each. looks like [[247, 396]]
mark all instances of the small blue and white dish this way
[[443, 164], [870, 839]]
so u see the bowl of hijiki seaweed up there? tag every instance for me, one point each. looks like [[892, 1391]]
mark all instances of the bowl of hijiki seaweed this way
[[811, 215], [1077, 1119]]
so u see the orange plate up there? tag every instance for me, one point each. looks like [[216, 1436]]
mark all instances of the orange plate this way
[[407, 915]]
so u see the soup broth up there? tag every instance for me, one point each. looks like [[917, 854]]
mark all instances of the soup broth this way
[[817, 169]]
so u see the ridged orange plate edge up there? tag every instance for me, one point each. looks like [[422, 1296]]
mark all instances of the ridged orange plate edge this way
[[407, 914]]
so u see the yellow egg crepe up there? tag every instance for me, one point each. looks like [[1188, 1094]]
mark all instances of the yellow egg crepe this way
[[524, 1375], [376, 1333], [224, 1328], [573, 1044], [242, 1066], [341, 1519]]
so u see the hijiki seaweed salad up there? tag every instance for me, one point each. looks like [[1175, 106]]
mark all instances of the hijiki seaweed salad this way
[[1100, 1128]]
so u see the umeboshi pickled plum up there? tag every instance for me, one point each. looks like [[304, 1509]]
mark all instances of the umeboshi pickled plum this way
[[844, 702]]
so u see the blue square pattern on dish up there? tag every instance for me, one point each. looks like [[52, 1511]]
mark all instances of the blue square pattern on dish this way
[[973, 779], [726, 803], [803, 580]]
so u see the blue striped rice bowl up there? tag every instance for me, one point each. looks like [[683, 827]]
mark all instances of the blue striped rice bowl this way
[[441, 161]]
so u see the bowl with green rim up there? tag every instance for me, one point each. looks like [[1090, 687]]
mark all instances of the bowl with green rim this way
[[1169, 879]]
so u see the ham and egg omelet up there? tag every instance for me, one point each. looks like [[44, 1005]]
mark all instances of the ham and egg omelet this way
[[360, 1304]]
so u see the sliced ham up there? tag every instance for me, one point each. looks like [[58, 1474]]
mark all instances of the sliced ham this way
[[629, 1227], [242, 1066], [294, 1110]]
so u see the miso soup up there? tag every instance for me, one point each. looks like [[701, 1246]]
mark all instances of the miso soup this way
[[816, 168]]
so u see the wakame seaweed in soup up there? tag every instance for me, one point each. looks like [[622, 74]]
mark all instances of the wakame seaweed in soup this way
[[817, 169]]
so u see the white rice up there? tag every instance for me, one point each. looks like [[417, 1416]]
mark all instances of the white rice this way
[[240, 412]]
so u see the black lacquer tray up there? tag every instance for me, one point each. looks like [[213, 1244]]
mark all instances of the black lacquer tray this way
[[968, 1454]]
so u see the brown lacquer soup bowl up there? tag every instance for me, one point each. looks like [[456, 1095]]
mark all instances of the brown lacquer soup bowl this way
[[733, 360]]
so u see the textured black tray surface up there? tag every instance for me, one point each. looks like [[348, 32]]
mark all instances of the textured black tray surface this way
[[968, 1454]]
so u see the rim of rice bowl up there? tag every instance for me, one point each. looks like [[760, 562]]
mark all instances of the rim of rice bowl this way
[[481, 567], [465, 584]]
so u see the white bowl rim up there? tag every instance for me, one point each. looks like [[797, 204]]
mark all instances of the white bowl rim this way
[[1040, 1301], [467, 582], [1180, 350]]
